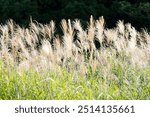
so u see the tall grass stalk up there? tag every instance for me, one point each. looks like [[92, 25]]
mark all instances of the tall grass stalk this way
[[92, 63]]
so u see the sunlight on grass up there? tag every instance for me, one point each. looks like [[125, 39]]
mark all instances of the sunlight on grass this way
[[59, 84]]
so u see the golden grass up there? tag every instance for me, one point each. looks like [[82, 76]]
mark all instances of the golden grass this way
[[40, 47]]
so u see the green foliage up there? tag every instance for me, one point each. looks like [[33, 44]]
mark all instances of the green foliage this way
[[134, 11], [130, 83], [137, 14]]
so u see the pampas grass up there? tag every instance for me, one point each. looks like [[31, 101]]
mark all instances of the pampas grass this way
[[93, 63], [18, 44]]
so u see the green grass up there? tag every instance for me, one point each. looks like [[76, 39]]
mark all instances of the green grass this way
[[59, 84]]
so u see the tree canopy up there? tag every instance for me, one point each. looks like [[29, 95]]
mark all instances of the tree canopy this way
[[136, 12]]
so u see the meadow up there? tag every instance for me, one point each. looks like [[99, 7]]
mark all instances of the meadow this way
[[93, 63]]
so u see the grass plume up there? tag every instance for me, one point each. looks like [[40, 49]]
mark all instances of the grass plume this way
[[92, 63]]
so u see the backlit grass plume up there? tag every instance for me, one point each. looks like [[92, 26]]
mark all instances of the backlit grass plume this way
[[93, 63]]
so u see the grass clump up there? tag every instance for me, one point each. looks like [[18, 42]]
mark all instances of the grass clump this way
[[95, 63], [59, 84]]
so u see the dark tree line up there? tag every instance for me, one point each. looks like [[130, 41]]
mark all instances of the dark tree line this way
[[136, 12]]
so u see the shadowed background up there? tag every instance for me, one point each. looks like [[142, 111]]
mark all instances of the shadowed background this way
[[137, 12]]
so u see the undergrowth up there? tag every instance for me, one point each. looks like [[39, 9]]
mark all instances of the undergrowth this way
[[125, 83]]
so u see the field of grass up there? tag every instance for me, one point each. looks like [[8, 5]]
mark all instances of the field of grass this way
[[129, 83], [95, 63]]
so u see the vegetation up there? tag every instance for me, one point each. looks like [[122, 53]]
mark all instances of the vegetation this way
[[137, 12], [94, 63]]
